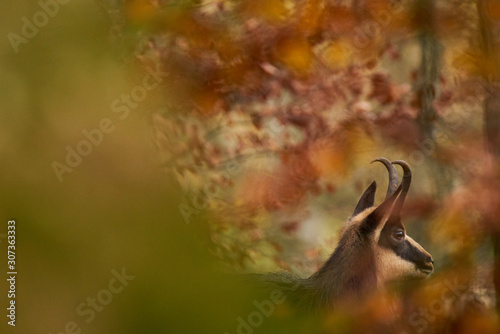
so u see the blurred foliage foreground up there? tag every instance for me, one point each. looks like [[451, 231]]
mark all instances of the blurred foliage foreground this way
[[267, 114]]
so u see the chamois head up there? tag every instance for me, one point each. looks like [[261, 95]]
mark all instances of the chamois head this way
[[397, 255], [374, 248]]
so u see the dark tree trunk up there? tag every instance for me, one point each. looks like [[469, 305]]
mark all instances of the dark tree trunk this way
[[426, 87], [428, 73], [491, 107], [496, 272]]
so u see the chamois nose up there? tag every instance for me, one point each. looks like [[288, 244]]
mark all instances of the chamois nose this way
[[426, 265]]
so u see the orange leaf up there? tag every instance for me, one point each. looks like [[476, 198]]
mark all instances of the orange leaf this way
[[273, 11], [296, 53], [493, 10], [310, 12], [140, 11], [336, 54]]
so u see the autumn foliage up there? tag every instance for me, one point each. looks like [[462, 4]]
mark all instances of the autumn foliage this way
[[273, 110]]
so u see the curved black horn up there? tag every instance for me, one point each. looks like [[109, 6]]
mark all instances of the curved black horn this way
[[393, 175], [405, 185]]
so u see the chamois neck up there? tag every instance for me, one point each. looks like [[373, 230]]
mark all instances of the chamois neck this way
[[348, 274]]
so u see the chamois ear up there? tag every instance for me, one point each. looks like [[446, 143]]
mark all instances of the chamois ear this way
[[366, 200], [379, 216]]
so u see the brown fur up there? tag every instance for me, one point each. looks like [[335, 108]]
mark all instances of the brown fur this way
[[368, 254]]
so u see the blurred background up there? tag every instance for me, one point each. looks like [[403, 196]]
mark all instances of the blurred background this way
[[187, 142]]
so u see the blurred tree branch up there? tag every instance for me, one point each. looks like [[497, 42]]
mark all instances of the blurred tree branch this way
[[491, 107]]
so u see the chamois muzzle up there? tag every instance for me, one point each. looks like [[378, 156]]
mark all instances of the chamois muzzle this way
[[426, 265]]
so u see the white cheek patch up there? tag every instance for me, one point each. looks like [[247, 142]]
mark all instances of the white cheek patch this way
[[391, 267]]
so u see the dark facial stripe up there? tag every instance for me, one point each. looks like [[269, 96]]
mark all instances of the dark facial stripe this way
[[404, 249]]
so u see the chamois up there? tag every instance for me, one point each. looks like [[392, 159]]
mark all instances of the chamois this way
[[373, 250]]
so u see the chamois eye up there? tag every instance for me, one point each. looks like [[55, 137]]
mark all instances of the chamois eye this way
[[399, 235]]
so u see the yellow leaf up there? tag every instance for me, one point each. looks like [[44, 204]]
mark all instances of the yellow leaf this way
[[310, 13], [273, 11], [140, 11], [336, 54], [475, 64], [296, 53]]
